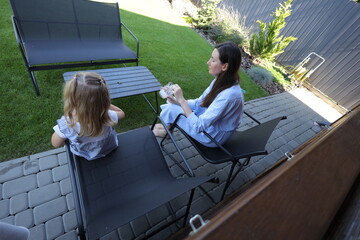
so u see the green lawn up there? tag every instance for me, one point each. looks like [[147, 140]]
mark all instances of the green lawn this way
[[172, 53]]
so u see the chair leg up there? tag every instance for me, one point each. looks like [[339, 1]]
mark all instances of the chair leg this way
[[228, 180], [188, 173], [188, 207], [231, 176], [168, 206], [33, 79], [155, 110], [241, 165], [215, 180], [157, 102], [82, 235], [175, 220]]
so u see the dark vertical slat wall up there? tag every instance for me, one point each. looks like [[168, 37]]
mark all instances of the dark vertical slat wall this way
[[328, 28]]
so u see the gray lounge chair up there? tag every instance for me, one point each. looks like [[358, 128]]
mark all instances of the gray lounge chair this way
[[241, 145], [130, 182], [54, 34]]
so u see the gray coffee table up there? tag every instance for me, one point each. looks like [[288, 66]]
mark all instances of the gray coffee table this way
[[127, 81]]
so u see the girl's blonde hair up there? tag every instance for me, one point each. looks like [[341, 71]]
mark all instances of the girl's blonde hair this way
[[87, 101]]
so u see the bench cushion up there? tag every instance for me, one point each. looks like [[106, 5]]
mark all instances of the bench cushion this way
[[44, 52]]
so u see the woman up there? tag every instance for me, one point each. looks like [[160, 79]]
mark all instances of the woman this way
[[219, 109]]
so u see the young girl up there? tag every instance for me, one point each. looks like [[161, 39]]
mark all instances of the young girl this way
[[219, 109], [88, 118]]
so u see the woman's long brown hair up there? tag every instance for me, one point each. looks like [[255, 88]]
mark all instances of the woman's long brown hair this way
[[229, 53]]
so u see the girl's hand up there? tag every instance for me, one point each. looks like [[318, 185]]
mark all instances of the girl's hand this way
[[120, 113], [57, 141]]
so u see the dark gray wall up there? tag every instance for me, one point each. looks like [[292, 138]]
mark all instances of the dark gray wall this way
[[329, 28]]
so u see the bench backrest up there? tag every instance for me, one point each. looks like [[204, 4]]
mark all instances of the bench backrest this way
[[53, 20]]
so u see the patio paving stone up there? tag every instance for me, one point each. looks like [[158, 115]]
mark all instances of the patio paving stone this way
[[19, 185], [38, 232], [54, 228], [44, 194], [25, 218], [69, 221], [12, 170], [68, 236], [50, 210], [44, 177], [4, 208], [18, 203], [60, 173]]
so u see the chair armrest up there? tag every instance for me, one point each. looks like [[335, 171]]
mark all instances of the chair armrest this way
[[206, 134], [247, 114], [78, 201], [219, 145], [16, 30], [133, 35], [19, 40]]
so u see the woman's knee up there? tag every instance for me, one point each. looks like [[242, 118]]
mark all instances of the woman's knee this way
[[169, 112]]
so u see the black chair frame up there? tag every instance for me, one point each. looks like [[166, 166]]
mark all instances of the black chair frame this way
[[226, 153], [81, 211], [188, 171], [51, 66]]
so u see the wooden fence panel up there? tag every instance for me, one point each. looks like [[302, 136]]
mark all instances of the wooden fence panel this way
[[328, 28]]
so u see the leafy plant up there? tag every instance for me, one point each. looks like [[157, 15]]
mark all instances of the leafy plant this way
[[206, 15], [278, 72], [230, 26], [268, 43], [260, 75]]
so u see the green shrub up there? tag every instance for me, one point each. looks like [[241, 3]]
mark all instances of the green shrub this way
[[278, 73], [230, 27], [260, 75], [267, 43], [217, 34], [221, 24], [206, 15]]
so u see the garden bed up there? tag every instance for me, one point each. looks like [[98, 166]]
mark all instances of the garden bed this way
[[186, 8]]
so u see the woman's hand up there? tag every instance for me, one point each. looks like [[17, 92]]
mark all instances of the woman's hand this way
[[180, 99], [178, 93], [172, 100], [176, 90]]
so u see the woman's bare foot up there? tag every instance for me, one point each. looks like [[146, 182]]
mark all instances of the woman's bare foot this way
[[159, 132], [159, 126]]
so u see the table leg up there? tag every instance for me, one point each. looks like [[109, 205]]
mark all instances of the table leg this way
[[156, 110]]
